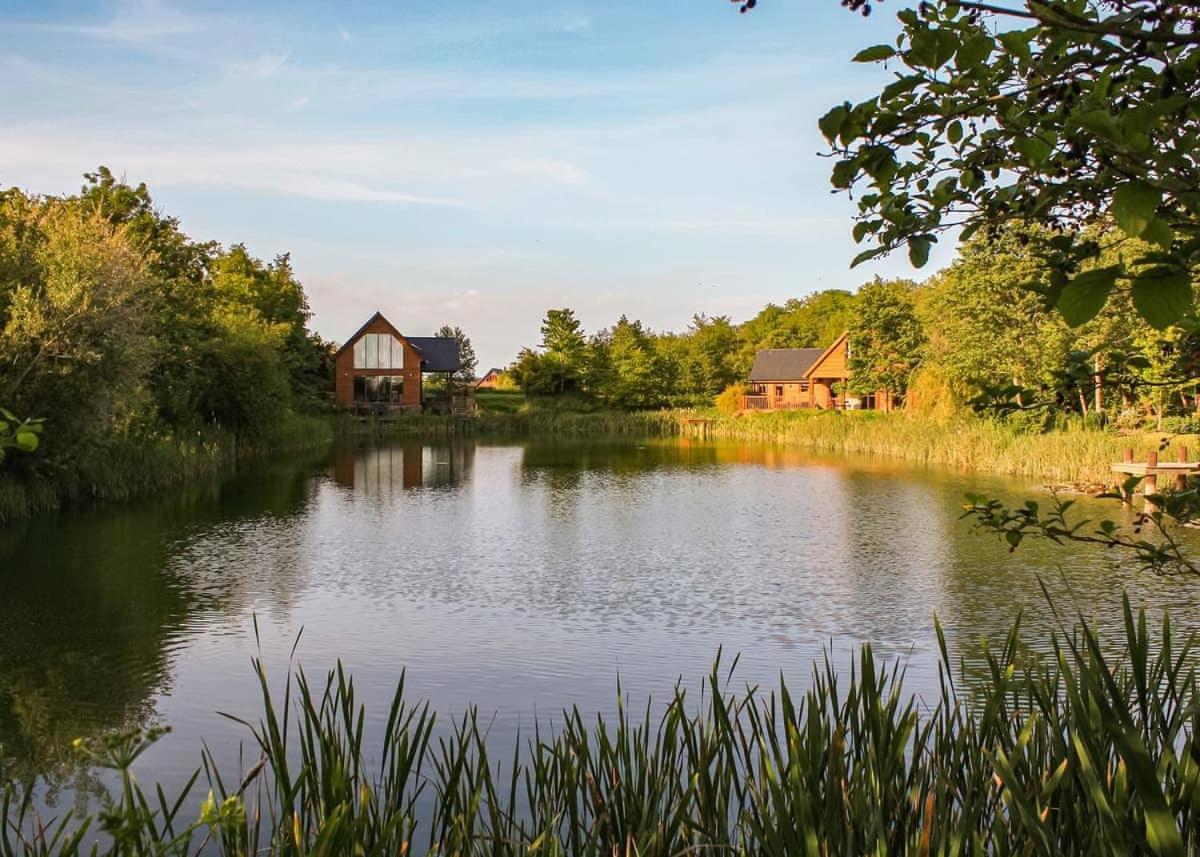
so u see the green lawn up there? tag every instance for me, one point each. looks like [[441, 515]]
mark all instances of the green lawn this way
[[500, 401]]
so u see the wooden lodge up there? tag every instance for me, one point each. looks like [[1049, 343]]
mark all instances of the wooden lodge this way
[[794, 378], [379, 370], [490, 379]]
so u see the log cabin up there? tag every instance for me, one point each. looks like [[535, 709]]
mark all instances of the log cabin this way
[[793, 378], [380, 370], [490, 380]]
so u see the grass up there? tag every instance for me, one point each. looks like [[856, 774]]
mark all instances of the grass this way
[[499, 401], [1071, 456], [1091, 749], [1065, 456], [123, 467]]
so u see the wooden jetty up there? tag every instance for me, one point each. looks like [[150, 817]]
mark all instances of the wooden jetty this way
[[698, 426], [1152, 468]]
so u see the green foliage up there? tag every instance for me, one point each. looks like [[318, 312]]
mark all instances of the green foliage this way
[[813, 321], [17, 434], [1085, 748], [120, 330], [1066, 114], [886, 339], [729, 400]]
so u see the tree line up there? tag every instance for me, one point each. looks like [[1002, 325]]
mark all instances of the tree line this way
[[116, 326], [978, 334]]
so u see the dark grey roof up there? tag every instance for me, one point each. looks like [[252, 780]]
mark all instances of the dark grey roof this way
[[784, 364], [438, 353]]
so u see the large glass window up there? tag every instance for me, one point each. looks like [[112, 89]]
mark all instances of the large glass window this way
[[379, 388], [378, 351]]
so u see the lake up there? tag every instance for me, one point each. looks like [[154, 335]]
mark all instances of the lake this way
[[521, 577]]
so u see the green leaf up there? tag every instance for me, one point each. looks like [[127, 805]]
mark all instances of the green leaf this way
[[27, 440], [866, 256], [918, 249], [1016, 42], [899, 87], [954, 131], [1133, 207], [844, 173], [933, 48], [1035, 150], [1159, 232], [974, 51], [1162, 296], [1084, 296], [875, 53], [831, 123]]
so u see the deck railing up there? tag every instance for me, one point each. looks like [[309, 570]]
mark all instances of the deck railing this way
[[765, 403]]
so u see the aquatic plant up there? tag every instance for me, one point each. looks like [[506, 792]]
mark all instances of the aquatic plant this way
[[1090, 748]]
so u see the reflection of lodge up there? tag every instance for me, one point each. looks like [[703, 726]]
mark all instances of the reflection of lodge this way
[[384, 469]]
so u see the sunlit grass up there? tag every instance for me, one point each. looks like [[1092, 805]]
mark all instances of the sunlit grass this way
[[1071, 456]]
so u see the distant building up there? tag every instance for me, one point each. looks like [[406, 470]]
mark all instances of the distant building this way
[[379, 369], [792, 378], [490, 380]]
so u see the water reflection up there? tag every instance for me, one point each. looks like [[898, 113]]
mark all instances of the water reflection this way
[[519, 576], [375, 470]]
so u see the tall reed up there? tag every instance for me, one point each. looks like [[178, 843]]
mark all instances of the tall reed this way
[[1074, 455], [1091, 749]]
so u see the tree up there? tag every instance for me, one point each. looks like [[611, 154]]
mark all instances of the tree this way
[[564, 344], [708, 364], [886, 340], [73, 344], [984, 330], [625, 370], [467, 361], [562, 333], [813, 321], [1063, 113]]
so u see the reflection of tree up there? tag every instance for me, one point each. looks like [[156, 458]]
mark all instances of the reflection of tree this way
[[92, 604], [84, 629]]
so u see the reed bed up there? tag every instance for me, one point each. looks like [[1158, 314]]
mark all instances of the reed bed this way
[[1090, 749], [1070, 456], [128, 467]]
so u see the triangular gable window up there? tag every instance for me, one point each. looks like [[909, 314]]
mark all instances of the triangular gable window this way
[[378, 351]]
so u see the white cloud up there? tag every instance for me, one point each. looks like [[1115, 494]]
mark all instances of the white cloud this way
[[345, 34], [298, 103], [562, 172], [139, 21], [268, 64]]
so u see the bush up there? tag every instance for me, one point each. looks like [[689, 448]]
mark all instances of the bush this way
[[729, 400]]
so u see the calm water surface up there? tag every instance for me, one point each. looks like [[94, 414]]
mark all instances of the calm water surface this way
[[521, 577]]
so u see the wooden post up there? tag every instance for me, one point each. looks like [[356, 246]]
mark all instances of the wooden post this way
[[1150, 484], [1127, 457], [1099, 379], [1181, 479]]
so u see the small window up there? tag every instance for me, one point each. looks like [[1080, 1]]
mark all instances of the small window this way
[[779, 391]]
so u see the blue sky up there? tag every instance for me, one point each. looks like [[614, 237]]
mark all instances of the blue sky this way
[[471, 163]]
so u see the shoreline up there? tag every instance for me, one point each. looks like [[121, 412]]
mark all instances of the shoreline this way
[[1074, 459]]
